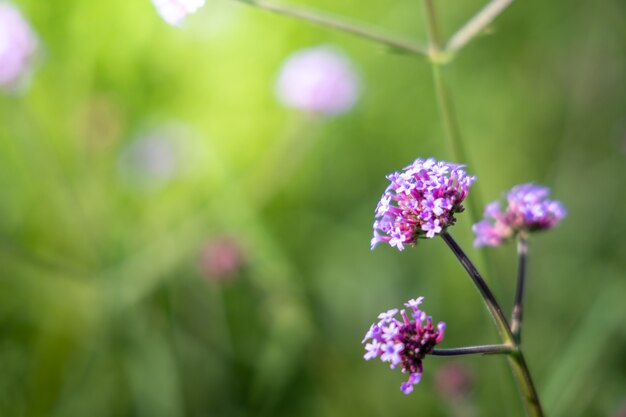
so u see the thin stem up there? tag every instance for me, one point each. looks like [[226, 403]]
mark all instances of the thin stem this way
[[473, 350], [341, 25], [517, 316], [434, 36], [448, 114], [477, 23], [525, 384], [516, 358], [483, 288], [451, 127]]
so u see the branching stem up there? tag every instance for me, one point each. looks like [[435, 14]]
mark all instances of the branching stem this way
[[476, 24], [516, 358], [326, 20]]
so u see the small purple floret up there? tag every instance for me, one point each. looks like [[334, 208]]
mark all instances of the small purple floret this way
[[528, 210], [403, 342], [420, 202]]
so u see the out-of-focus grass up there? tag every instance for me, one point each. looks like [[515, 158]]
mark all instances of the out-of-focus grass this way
[[104, 310]]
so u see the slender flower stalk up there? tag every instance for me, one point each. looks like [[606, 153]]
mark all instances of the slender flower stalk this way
[[434, 34], [516, 319], [525, 383], [340, 24], [483, 288], [516, 358], [476, 24], [438, 57], [473, 350]]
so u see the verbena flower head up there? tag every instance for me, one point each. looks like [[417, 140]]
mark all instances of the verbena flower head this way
[[319, 80], [18, 45], [420, 202], [174, 12], [528, 209], [404, 342]]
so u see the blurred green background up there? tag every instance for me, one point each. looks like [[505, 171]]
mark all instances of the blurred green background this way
[[110, 304]]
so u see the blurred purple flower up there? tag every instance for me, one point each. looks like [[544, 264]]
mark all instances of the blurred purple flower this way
[[420, 202], [221, 258], [18, 44], [153, 159], [528, 210], [174, 12], [319, 80], [404, 342]]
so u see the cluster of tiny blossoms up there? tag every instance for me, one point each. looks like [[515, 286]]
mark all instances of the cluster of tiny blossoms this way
[[420, 202], [405, 342], [528, 210]]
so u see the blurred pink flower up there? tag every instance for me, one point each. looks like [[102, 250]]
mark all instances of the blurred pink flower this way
[[18, 44], [221, 258], [174, 12], [454, 380], [319, 79]]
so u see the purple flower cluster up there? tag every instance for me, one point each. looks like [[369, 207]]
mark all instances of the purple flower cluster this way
[[528, 210], [420, 202], [405, 342], [174, 12], [18, 44]]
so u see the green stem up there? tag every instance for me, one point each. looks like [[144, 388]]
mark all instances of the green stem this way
[[342, 25], [490, 300], [438, 58], [525, 383], [448, 114], [434, 35], [516, 358], [517, 316], [473, 350], [476, 24]]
